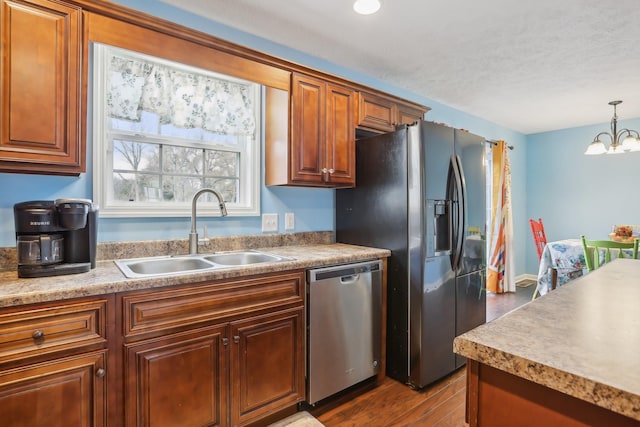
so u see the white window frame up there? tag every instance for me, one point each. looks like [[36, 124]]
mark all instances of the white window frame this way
[[249, 182]]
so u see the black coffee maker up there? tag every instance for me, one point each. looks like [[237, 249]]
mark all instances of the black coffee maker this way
[[55, 237]]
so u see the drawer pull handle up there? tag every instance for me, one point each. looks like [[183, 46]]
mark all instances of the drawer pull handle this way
[[37, 334], [100, 373]]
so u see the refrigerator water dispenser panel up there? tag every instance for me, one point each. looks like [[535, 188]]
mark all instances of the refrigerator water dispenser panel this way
[[438, 232]]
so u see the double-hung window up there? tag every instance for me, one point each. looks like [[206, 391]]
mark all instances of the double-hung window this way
[[163, 130]]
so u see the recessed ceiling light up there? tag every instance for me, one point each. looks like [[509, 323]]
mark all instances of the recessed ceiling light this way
[[366, 7]]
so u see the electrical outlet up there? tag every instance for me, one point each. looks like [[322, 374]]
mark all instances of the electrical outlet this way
[[269, 222], [289, 221]]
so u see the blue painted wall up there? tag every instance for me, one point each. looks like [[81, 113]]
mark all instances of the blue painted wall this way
[[314, 208], [576, 194]]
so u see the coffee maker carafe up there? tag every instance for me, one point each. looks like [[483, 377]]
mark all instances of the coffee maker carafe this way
[[55, 237]]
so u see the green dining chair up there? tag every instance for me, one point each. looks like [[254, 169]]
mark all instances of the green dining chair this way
[[594, 249]]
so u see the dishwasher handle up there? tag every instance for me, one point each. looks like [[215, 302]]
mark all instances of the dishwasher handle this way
[[347, 280]]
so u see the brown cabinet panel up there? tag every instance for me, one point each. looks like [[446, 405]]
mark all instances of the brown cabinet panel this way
[[41, 331], [41, 91], [178, 380], [376, 113], [60, 393], [381, 114], [340, 136], [172, 309], [308, 130], [267, 356], [408, 115], [490, 391]]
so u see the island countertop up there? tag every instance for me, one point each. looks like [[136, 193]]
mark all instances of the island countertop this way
[[107, 278], [582, 339]]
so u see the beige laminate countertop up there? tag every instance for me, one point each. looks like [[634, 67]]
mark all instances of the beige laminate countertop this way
[[583, 339], [107, 278]]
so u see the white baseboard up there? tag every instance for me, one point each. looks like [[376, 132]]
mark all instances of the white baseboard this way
[[522, 277]]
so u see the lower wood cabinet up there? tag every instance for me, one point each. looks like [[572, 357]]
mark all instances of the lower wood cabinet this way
[[222, 375], [267, 365], [179, 380], [217, 353], [227, 353], [54, 363], [65, 392]]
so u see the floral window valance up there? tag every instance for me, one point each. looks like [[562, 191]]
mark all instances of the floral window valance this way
[[181, 98]]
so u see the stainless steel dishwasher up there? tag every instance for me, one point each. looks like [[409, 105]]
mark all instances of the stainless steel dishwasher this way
[[344, 315]]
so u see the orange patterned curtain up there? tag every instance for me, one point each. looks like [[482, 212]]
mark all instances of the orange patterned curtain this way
[[500, 266]]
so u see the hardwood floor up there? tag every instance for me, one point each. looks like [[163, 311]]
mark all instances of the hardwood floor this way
[[393, 404]]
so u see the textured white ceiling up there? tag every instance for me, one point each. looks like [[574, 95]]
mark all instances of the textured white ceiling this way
[[529, 66]]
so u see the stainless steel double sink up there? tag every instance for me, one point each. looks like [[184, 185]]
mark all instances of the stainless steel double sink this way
[[180, 264]]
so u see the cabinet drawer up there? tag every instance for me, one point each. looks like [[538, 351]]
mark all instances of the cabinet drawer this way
[[164, 310], [39, 331]]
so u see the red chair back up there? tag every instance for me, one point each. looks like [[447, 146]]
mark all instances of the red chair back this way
[[539, 238]]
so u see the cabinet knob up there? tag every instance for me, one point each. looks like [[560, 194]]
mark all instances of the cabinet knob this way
[[100, 373], [37, 334], [324, 170], [225, 341], [331, 171], [236, 339]]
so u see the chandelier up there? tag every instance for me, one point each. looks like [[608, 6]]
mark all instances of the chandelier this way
[[631, 141]]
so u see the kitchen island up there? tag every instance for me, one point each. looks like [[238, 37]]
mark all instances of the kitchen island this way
[[570, 358]]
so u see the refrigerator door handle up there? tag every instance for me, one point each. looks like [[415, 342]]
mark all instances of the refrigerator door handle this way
[[462, 217], [459, 226]]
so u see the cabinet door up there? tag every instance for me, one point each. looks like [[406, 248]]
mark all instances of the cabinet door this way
[[267, 365], [178, 380], [307, 129], [41, 88], [340, 136], [65, 392]]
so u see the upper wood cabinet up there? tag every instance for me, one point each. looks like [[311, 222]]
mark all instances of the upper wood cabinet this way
[[41, 110], [380, 114], [315, 144]]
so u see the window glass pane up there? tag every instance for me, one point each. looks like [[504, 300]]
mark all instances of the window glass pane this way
[[132, 187], [135, 156], [228, 188], [182, 160], [180, 188], [222, 163]]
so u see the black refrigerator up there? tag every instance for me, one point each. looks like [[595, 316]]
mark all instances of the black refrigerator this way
[[420, 192]]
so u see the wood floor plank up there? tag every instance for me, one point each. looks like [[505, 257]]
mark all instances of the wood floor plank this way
[[395, 404]]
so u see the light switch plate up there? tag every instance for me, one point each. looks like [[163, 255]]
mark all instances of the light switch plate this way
[[289, 221], [269, 222]]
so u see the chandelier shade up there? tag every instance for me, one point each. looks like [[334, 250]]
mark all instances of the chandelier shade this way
[[621, 141]]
